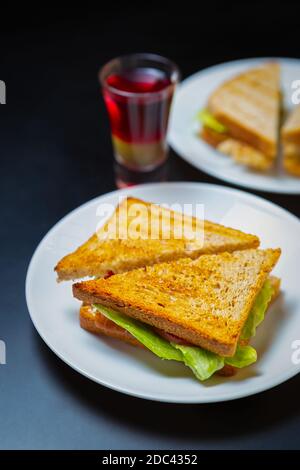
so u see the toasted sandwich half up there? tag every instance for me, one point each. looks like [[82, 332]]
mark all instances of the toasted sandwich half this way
[[201, 312], [115, 248], [290, 134], [242, 117]]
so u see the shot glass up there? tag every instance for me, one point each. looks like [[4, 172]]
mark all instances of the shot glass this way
[[138, 90]]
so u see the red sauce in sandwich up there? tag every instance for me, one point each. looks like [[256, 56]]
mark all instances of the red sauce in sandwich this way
[[108, 274]]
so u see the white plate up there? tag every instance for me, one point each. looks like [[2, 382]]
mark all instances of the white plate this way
[[192, 96], [122, 367]]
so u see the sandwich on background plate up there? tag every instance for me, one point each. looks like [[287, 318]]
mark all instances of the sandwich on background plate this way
[[242, 117], [201, 312], [290, 134], [106, 252]]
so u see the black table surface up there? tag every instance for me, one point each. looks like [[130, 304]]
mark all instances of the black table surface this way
[[55, 154]]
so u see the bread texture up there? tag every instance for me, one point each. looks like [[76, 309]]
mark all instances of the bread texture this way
[[290, 134], [94, 322], [248, 105], [204, 301], [107, 251]]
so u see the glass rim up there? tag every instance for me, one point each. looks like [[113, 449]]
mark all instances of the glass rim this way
[[174, 75]]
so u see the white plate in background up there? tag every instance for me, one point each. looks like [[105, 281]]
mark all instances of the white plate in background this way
[[130, 370], [192, 95]]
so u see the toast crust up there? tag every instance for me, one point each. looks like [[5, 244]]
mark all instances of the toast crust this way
[[292, 165], [290, 131], [290, 134], [100, 255], [213, 295]]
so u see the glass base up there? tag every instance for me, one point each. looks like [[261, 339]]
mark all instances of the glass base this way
[[140, 156], [125, 177]]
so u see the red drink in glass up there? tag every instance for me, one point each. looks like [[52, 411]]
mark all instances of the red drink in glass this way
[[138, 92]]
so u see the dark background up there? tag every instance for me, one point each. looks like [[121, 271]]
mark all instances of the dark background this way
[[55, 154]]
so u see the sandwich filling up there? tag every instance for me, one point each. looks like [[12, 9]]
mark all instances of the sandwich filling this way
[[215, 133], [202, 362], [209, 121]]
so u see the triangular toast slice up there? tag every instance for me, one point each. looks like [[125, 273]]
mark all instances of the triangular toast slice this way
[[248, 105], [95, 322], [290, 134], [104, 254], [204, 301]]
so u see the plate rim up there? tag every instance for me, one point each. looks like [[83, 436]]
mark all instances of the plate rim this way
[[172, 139], [285, 376]]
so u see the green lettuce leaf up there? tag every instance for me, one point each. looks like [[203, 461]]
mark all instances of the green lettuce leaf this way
[[258, 310], [210, 121], [205, 363], [202, 362], [244, 356], [142, 333]]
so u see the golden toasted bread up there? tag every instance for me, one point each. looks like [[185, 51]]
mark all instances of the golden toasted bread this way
[[248, 105], [93, 321], [105, 252], [204, 301], [290, 134], [291, 129]]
